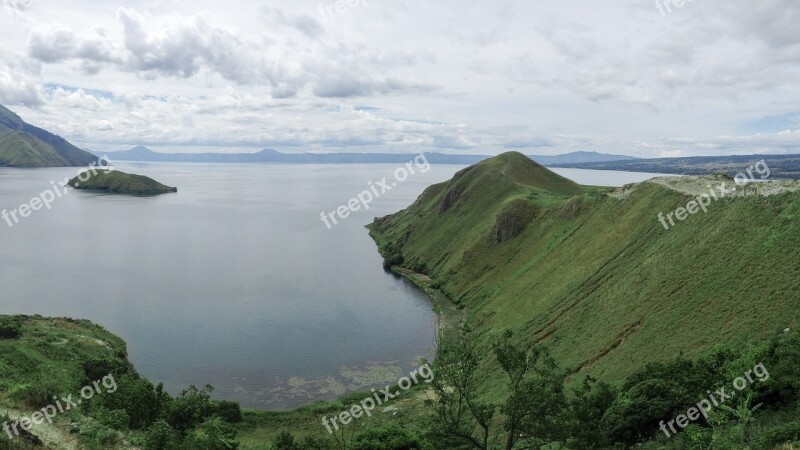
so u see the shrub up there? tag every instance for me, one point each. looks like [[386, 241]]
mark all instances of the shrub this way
[[191, 408], [390, 438], [97, 368], [312, 443], [284, 441], [39, 392], [229, 411], [786, 433], [9, 328], [392, 255], [160, 436], [142, 402], [216, 435], [660, 391], [117, 419]]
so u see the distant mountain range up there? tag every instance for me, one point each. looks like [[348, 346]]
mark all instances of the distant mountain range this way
[[579, 157], [141, 153], [24, 145], [780, 166]]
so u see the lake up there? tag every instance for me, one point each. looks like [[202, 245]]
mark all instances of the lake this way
[[234, 281]]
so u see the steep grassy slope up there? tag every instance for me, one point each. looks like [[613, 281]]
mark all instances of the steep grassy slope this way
[[23, 145], [56, 351], [116, 182], [596, 277]]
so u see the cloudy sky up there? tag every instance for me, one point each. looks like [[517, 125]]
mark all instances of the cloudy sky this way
[[710, 77]]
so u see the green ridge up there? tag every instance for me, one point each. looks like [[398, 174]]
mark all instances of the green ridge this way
[[23, 145], [596, 277]]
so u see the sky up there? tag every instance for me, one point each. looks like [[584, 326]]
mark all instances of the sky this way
[[636, 77]]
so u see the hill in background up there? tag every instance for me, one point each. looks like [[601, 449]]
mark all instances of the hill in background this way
[[24, 145]]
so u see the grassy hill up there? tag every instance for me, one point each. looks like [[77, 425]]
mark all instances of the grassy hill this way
[[23, 145], [593, 274], [116, 182]]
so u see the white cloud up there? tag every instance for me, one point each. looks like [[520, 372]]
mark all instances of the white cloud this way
[[452, 76]]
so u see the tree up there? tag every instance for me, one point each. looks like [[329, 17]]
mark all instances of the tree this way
[[160, 436], [191, 408], [536, 404], [744, 415], [587, 407], [654, 394], [460, 411], [138, 398]]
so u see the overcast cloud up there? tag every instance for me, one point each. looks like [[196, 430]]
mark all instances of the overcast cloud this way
[[456, 76]]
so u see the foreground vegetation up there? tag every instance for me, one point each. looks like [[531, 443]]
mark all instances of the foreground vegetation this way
[[541, 411], [540, 408], [46, 359]]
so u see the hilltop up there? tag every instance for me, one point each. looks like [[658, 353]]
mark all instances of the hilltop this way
[[592, 274], [116, 182], [24, 145]]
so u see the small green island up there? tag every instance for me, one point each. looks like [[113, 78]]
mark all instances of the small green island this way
[[116, 182]]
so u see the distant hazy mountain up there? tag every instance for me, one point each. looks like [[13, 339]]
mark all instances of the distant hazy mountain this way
[[578, 157], [23, 145], [140, 153], [781, 166]]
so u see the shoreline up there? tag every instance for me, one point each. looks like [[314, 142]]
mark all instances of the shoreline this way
[[448, 314]]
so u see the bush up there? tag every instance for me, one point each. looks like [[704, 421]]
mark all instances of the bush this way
[[142, 402], [786, 433], [390, 438], [312, 443], [229, 411], [660, 391], [117, 419], [782, 359], [97, 368], [39, 392], [160, 436], [216, 435], [284, 441], [9, 328], [392, 256], [191, 408]]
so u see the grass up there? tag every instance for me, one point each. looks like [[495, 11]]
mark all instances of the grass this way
[[597, 278], [52, 351]]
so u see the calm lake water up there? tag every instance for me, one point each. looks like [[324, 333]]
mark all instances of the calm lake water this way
[[234, 281]]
